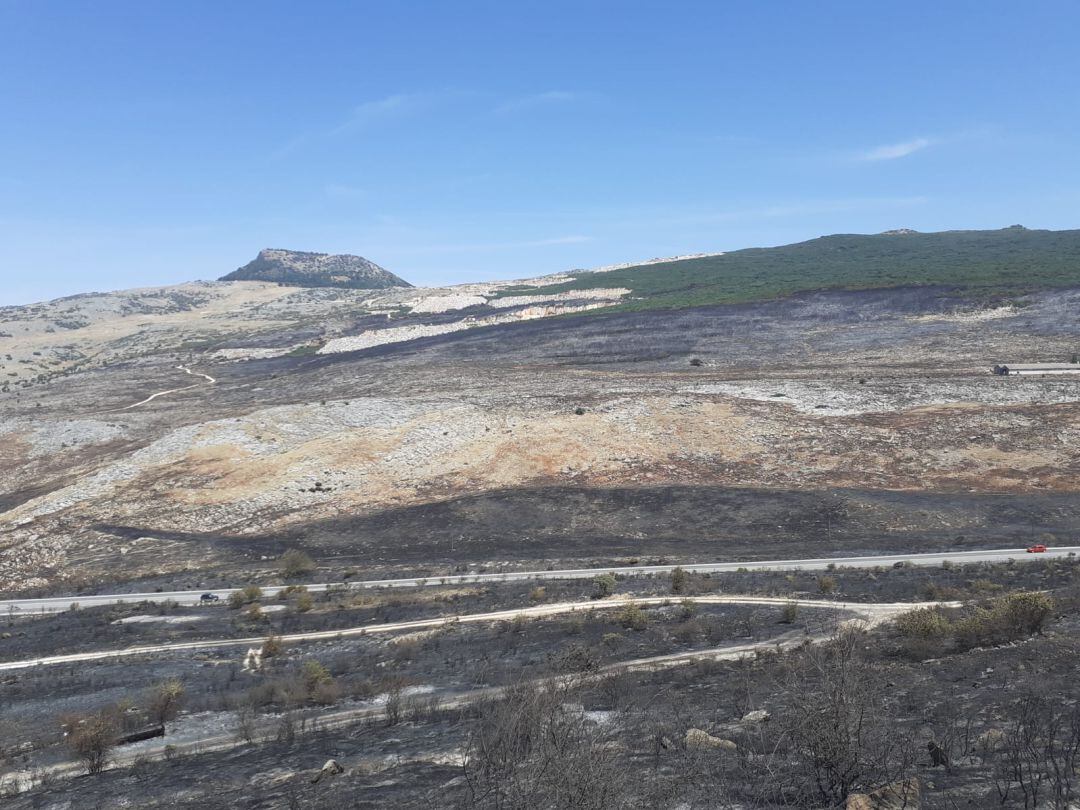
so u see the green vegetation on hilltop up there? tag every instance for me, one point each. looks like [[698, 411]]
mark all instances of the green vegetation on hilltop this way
[[1006, 262]]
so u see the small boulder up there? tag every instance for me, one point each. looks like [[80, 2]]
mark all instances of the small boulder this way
[[331, 768], [896, 796], [696, 739], [253, 660], [756, 717]]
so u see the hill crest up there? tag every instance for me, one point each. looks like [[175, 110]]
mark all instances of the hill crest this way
[[306, 269]]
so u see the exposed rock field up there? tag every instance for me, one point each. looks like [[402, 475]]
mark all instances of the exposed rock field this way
[[415, 426]]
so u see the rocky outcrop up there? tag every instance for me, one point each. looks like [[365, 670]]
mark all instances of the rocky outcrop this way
[[696, 739], [400, 334], [299, 269], [331, 768], [896, 796]]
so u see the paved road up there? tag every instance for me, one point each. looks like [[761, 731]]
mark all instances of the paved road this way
[[58, 604], [873, 613]]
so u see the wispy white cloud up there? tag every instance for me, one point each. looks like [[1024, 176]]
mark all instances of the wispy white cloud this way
[[379, 112], [894, 151], [545, 99], [374, 112]]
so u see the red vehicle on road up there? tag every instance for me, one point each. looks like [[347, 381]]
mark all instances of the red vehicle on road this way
[[1038, 548]]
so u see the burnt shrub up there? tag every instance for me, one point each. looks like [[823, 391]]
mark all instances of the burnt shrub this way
[[295, 563]]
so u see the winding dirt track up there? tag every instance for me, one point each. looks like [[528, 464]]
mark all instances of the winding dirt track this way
[[209, 381], [869, 613]]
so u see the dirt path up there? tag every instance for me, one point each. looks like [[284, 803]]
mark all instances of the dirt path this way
[[870, 612], [20, 781], [209, 381]]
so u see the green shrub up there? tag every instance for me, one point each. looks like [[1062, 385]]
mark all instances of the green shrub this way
[[1026, 612], [272, 646], [923, 623], [632, 617], [304, 602], [612, 640], [314, 673], [1004, 619], [679, 580], [604, 585]]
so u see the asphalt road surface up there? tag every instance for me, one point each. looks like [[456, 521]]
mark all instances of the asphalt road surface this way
[[57, 604]]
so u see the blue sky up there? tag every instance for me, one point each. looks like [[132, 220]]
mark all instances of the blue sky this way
[[146, 143]]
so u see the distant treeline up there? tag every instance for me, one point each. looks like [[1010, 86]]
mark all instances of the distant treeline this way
[[988, 264]]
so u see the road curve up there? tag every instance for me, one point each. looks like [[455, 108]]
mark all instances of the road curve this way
[[209, 381], [873, 613], [57, 604]]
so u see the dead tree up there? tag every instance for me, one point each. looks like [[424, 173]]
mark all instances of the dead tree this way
[[528, 748], [841, 738], [1041, 754]]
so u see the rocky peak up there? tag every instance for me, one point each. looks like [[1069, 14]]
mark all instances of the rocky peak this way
[[304, 269]]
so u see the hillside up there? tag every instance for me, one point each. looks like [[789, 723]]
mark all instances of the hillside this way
[[1000, 263], [301, 269], [195, 425], [304, 444]]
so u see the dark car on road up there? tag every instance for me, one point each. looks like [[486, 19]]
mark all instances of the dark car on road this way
[[209, 597]]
